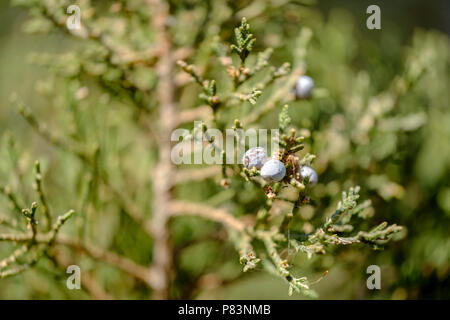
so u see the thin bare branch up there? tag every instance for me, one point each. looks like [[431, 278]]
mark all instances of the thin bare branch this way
[[219, 215], [162, 252]]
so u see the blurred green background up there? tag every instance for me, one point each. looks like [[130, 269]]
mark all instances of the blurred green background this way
[[380, 119]]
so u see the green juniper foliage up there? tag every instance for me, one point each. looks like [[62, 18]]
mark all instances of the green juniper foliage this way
[[144, 226]]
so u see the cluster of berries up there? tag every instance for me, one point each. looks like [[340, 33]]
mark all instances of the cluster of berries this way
[[273, 170]]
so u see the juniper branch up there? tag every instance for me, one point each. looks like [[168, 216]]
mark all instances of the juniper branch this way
[[42, 198], [29, 241], [47, 135], [300, 285], [17, 269], [209, 94], [112, 52], [58, 224], [7, 222], [14, 203], [13, 257], [244, 41], [243, 243], [31, 221], [280, 94], [348, 202], [86, 158]]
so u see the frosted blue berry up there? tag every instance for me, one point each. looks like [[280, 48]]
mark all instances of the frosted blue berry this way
[[310, 173], [304, 87], [254, 157], [273, 170]]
